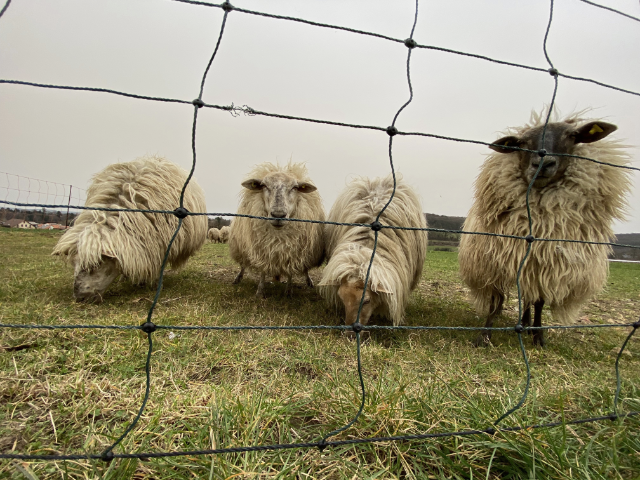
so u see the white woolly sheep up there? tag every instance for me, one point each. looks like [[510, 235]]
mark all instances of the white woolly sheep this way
[[399, 257], [224, 234], [278, 247], [214, 235], [570, 199], [104, 244]]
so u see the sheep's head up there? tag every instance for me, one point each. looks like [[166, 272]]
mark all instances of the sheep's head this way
[[350, 292], [89, 285], [280, 194], [559, 138]]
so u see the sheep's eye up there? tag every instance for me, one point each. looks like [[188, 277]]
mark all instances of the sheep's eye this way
[[366, 300], [302, 187]]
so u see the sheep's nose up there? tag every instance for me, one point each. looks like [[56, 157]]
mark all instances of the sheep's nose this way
[[278, 215], [545, 164]]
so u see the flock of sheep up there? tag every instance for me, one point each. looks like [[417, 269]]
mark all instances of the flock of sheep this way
[[569, 198]]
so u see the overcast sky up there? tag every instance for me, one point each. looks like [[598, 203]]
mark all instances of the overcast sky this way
[[161, 47]]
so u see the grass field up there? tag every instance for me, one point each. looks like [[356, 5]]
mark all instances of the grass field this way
[[76, 391]]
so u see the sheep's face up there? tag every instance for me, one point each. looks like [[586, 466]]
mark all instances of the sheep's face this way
[[89, 285], [280, 194], [350, 292], [559, 138]]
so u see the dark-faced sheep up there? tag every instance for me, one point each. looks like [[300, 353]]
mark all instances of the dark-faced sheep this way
[[399, 257], [104, 244], [278, 247], [570, 198]]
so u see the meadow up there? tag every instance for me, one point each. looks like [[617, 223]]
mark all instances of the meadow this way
[[75, 391]]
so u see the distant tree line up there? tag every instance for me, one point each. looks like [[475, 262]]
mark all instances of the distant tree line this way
[[218, 222], [40, 216]]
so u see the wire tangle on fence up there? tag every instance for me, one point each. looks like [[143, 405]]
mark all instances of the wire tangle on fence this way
[[149, 327]]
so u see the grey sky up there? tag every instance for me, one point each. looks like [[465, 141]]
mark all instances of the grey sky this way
[[161, 47]]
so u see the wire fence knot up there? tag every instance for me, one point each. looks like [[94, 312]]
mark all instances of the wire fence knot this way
[[410, 43], [553, 72], [357, 327], [227, 7], [490, 431], [148, 327], [181, 212], [198, 103], [107, 456], [530, 238], [519, 328], [636, 325], [392, 131], [542, 153]]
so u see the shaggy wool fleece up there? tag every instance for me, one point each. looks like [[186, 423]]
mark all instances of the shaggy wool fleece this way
[[138, 241], [581, 206], [397, 265], [293, 249]]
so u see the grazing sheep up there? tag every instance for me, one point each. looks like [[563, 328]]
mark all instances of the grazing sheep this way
[[399, 257], [102, 245], [224, 234], [214, 235], [570, 199], [278, 247]]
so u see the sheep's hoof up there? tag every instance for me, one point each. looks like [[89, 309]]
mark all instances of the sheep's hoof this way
[[538, 339], [309, 282], [238, 278], [482, 340]]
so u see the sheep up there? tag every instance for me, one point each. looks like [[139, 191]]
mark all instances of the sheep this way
[[214, 235], [570, 199], [104, 244], [224, 234], [278, 247], [399, 258]]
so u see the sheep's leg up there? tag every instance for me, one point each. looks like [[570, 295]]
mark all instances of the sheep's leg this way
[[497, 301], [239, 276], [526, 318], [538, 335], [289, 290], [260, 291], [309, 281]]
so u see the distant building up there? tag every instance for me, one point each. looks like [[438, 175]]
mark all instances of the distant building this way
[[19, 223]]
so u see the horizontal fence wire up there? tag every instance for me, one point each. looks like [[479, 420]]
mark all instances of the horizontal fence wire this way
[[149, 327]]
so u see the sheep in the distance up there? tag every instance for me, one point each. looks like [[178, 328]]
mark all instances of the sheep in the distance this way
[[399, 258], [214, 235], [224, 234], [104, 244], [571, 198], [278, 247]]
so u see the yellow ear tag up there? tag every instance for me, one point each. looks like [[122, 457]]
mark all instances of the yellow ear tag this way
[[595, 129]]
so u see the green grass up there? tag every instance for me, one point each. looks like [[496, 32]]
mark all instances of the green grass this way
[[76, 391]]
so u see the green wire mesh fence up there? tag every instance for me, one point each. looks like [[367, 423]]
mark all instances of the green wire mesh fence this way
[[181, 213]]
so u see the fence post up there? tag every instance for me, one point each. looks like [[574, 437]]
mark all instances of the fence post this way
[[66, 220]]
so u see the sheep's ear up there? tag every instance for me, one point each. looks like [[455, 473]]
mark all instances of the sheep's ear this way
[[594, 131], [510, 141], [253, 184], [306, 188], [382, 290]]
